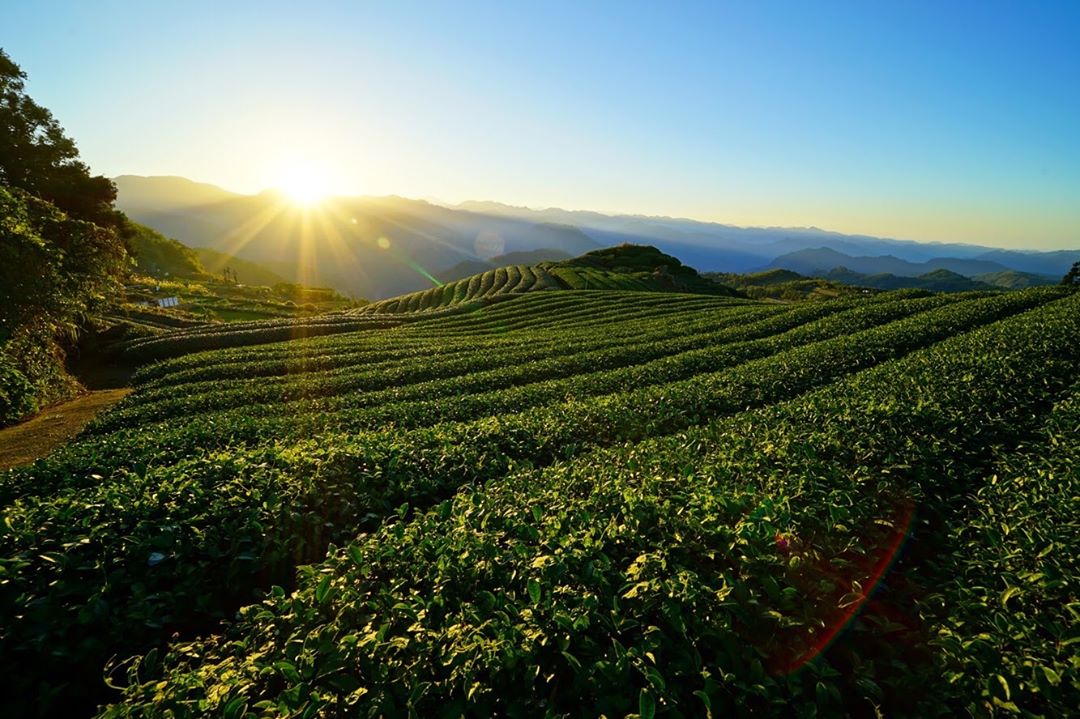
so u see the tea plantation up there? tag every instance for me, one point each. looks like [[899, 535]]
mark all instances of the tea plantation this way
[[625, 267], [576, 503]]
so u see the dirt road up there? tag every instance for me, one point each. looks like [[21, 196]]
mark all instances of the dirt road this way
[[36, 437]]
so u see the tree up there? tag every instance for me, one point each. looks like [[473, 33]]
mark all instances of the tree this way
[[62, 249], [1072, 277], [36, 156]]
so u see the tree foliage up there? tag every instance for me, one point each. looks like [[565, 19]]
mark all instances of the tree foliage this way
[[1072, 277], [52, 268], [36, 155], [159, 256], [61, 247]]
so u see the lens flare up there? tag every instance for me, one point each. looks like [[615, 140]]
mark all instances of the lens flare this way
[[799, 651]]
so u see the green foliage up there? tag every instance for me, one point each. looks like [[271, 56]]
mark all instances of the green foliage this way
[[60, 248], [1072, 277], [627, 267], [16, 391], [37, 157], [786, 286], [53, 272], [574, 572], [562, 500], [239, 334], [53, 268], [1008, 641], [247, 272], [160, 257]]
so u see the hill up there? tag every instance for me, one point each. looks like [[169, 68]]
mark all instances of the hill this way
[[788, 284], [168, 270], [160, 257], [146, 193], [934, 281], [1012, 280], [627, 267], [650, 499], [371, 247], [819, 261], [468, 268], [785, 286], [716, 247], [424, 240], [248, 273]]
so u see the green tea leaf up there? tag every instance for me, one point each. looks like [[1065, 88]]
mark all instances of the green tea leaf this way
[[646, 705]]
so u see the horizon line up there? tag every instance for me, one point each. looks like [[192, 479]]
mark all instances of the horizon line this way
[[438, 202]]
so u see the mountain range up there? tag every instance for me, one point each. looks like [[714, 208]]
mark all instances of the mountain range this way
[[377, 247]]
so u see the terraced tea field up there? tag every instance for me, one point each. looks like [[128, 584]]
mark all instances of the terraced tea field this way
[[626, 267], [567, 503]]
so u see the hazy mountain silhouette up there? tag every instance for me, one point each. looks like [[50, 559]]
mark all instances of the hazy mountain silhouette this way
[[939, 280], [424, 242], [822, 259], [370, 247], [139, 192], [711, 246]]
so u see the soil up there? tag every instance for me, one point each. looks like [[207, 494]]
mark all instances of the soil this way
[[40, 435]]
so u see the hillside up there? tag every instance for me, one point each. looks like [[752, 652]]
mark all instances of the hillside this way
[[468, 268], [1012, 280], [934, 281], [165, 269], [585, 480], [820, 260], [427, 240], [785, 286], [158, 256], [717, 247], [247, 273], [626, 267], [788, 284], [372, 247]]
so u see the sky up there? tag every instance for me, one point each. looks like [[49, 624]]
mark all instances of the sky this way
[[930, 121]]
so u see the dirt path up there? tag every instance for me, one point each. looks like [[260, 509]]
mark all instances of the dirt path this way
[[36, 437]]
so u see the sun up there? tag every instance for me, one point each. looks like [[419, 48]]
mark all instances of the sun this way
[[303, 185]]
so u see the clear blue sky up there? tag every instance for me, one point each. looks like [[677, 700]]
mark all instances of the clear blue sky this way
[[931, 121]]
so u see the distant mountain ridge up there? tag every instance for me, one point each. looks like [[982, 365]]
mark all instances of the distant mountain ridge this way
[[378, 247], [788, 285], [754, 248], [822, 259], [939, 280], [368, 247]]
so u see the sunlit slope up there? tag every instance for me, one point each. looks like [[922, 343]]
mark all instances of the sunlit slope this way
[[624, 268], [650, 500], [627, 267]]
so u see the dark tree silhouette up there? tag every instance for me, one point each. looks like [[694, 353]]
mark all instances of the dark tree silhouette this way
[[62, 249], [1072, 277], [36, 156]]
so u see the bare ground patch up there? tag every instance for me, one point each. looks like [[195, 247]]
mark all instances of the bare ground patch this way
[[36, 437]]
